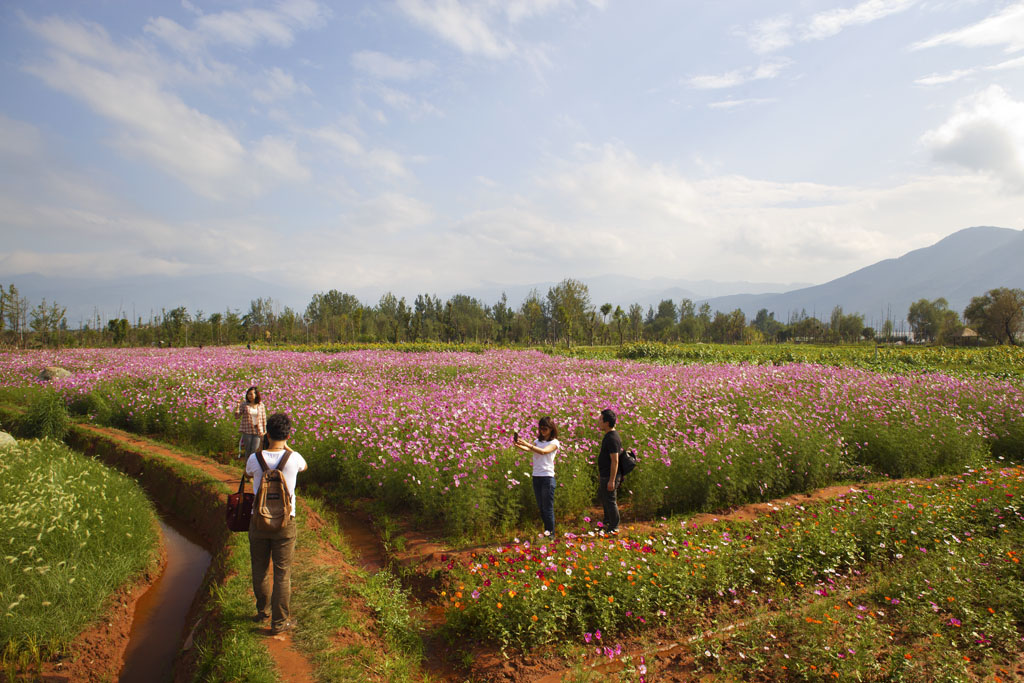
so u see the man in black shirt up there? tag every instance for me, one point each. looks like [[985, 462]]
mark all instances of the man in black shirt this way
[[608, 470]]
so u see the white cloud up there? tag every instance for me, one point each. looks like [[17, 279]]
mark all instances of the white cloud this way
[[485, 29], [958, 74], [735, 104], [465, 26], [403, 101], [386, 67], [1003, 28], [278, 85], [942, 79], [385, 161], [831, 22], [18, 138], [985, 133], [152, 123], [764, 71], [770, 35], [388, 213], [607, 211], [244, 29], [279, 157]]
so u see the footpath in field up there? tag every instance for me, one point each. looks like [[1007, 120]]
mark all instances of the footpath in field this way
[[292, 665]]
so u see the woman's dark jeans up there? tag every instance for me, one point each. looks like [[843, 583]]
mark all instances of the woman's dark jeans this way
[[544, 490]]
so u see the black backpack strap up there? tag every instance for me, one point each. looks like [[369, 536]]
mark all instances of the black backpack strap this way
[[261, 461], [284, 460]]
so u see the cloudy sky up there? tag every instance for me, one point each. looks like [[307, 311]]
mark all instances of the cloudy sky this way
[[425, 145]]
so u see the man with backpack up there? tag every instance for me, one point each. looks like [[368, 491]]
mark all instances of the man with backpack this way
[[272, 531], [609, 473]]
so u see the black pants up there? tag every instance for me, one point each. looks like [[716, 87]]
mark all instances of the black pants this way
[[609, 501]]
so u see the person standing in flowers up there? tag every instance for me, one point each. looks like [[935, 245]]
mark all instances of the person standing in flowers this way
[[544, 450], [609, 478], [252, 423]]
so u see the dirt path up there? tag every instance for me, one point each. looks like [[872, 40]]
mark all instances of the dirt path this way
[[292, 665]]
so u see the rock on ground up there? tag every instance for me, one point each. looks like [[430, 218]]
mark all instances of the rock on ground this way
[[7, 441], [53, 372]]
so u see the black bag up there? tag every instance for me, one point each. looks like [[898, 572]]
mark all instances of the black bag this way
[[627, 461], [239, 512]]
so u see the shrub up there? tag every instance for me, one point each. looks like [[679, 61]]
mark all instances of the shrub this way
[[46, 417]]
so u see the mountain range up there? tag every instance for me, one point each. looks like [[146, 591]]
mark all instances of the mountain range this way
[[965, 264]]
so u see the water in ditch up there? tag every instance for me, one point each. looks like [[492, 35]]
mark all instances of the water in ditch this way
[[159, 622]]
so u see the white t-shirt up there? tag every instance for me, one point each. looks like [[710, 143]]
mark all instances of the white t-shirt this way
[[296, 463], [544, 465]]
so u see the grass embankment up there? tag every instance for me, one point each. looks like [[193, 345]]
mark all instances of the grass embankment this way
[[75, 533], [917, 580], [329, 599], [222, 652]]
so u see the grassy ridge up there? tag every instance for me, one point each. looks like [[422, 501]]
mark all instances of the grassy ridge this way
[[76, 532]]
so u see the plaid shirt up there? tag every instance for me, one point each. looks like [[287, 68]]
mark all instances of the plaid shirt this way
[[249, 425]]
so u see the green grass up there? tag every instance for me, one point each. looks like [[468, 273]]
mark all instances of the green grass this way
[[326, 602], [75, 532]]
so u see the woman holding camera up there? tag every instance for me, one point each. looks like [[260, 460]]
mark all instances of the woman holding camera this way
[[544, 450]]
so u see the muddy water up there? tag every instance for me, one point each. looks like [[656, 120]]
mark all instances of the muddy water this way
[[157, 628]]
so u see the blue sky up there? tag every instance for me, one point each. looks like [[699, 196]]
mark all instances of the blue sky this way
[[430, 145]]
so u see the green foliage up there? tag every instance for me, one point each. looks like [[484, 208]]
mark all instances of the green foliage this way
[[389, 602], [75, 533], [46, 417], [1001, 362]]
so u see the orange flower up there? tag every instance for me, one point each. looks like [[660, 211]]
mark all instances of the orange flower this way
[[499, 605], [611, 599], [533, 618]]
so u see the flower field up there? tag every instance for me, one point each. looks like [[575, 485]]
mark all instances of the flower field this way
[[920, 581], [431, 432]]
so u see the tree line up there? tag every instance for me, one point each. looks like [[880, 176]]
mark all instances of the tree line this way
[[565, 315]]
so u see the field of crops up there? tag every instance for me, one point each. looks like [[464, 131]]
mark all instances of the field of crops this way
[[430, 432], [919, 580], [74, 533]]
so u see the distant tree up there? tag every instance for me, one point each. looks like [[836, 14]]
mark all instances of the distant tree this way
[[689, 326], [118, 329], [728, 327], [636, 321], [569, 304], [533, 314], [765, 323], [998, 314], [868, 333], [664, 324], [704, 320], [46, 321], [620, 319]]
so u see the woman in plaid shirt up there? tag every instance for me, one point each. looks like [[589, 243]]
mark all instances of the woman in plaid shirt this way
[[252, 422]]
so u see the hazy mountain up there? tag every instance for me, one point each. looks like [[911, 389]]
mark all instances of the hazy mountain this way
[[623, 290], [144, 295], [965, 264]]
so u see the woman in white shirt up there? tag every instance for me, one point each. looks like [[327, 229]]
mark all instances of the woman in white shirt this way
[[544, 450]]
